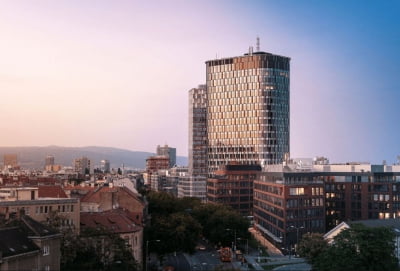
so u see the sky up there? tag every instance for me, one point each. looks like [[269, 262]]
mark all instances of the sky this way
[[117, 73]]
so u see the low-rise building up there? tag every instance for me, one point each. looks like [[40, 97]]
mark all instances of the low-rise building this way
[[42, 210], [107, 198], [120, 222], [29, 245]]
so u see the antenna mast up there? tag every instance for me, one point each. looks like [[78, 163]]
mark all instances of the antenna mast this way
[[258, 44]]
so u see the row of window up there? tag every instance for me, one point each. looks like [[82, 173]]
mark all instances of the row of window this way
[[226, 71], [268, 198], [60, 208], [246, 80], [305, 202]]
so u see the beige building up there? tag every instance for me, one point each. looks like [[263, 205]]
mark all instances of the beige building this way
[[41, 210], [13, 193], [82, 165]]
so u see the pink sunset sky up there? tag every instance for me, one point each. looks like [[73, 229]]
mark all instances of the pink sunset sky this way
[[117, 73]]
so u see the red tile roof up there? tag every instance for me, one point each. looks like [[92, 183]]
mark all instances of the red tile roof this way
[[95, 194], [117, 221], [51, 191]]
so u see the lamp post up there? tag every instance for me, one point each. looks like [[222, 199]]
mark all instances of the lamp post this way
[[297, 236], [147, 251], [234, 248], [247, 244]]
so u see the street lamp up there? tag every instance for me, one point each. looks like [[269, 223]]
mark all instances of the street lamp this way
[[297, 238], [234, 248], [147, 250], [247, 244]]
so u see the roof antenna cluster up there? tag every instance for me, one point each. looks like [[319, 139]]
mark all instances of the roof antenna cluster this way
[[258, 44]]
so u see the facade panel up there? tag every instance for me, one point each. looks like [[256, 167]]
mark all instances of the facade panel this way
[[247, 110]]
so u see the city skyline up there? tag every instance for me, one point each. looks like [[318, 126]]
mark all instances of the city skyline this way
[[118, 74]]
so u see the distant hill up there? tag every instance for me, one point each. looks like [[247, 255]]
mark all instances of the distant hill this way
[[34, 157]]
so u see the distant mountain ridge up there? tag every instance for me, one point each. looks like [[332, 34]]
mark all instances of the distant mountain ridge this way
[[34, 157]]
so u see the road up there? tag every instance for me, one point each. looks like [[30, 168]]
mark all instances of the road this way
[[179, 262], [294, 267], [199, 261]]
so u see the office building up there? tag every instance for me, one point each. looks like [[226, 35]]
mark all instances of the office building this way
[[105, 166], [198, 131], [82, 165], [155, 163], [192, 186], [300, 196], [168, 152], [247, 109], [233, 186]]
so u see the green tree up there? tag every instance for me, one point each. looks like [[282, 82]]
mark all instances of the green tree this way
[[359, 248], [180, 228], [221, 223], [311, 246], [162, 203], [95, 249]]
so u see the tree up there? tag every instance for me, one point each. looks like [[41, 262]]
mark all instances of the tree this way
[[359, 248], [311, 246], [221, 223], [184, 220], [163, 203], [183, 229]]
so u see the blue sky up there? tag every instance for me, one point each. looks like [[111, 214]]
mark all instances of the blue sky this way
[[117, 73]]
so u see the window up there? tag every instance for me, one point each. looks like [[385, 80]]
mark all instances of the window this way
[[296, 191], [46, 250]]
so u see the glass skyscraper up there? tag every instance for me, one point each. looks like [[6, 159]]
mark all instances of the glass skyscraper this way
[[247, 110], [198, 131]]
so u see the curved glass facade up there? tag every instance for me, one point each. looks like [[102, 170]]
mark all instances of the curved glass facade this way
[[248, 110]]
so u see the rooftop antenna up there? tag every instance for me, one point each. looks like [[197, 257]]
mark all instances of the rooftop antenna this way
[[258, 44]]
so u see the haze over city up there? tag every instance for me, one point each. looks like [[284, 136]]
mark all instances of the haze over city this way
[[117, 74]]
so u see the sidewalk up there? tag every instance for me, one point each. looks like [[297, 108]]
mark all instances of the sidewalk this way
[[272, 250]]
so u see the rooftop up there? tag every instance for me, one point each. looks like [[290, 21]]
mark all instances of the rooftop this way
[[117, 221]]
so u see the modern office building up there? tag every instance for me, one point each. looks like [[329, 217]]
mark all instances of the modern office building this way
[[297, 197], [247, 109], [192, 186], [288, 202], [198, 131], [168, 152], [233, 186]]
